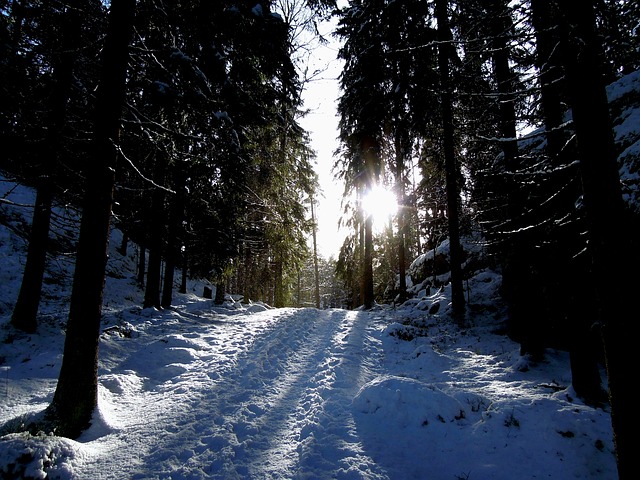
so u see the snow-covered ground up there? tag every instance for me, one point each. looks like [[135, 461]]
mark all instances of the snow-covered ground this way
[[242, 391]]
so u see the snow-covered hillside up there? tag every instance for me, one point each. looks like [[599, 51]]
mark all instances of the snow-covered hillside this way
[[249, 392]]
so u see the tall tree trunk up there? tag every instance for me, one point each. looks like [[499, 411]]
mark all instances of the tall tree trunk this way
[[368, 299], [278, 287], [185, 270], [24, 316], [585, 370], [315, 254], [358, 294], [156, 236], [608, 233], [500, 25], [452, 171], [25, 312], [370, 151], [176, 216], [544, 17], [76, 393], [167, 283], [402, 217], [142, 261]]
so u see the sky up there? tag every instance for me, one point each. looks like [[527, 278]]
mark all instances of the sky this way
[[320, 98], [246, 391], [243, 391]]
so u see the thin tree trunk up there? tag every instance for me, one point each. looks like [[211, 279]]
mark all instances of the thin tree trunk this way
[[278, 289], [500, 25], [359, 292], [167, 284], [25, 312], [183, 280], [157, 230], [370, 151], [76, 394], [315, 254], [544, 15], [175, 227], [142, 260], [402, 228], [24, 316], [368, 299], [452, 171]]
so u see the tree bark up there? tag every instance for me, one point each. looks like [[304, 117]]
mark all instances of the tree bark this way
[[185, 270], [142, 261], [401, 216], [585, 371], [278, 287], [25, 312], [544, 15], [152, 292], [500, 25], [370, 151], [605, 212], [315, 254], [452, 171], [176, 215], [76, 396], [368, 299]]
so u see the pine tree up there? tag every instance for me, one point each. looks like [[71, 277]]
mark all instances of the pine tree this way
[[609, 239], [76, 397]]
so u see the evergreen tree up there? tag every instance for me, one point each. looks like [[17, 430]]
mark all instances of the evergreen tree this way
[[49, 145], [610, 244], [365, 84], [26, 308], [76, 397], [452, 169]]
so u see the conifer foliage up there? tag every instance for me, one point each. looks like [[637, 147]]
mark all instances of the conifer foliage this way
[[193, 151]]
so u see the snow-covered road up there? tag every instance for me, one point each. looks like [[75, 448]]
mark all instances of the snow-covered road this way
[[251, 393], [267, 395]]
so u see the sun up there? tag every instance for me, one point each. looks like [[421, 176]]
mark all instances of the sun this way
[[381, 204]]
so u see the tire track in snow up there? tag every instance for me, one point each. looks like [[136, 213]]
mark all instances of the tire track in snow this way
[[278, 423], [169, 401], [270, 400]]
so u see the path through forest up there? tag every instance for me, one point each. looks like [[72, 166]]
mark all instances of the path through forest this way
[[266, 395]]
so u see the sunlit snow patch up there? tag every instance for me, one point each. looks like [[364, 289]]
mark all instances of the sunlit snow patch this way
[[405, 403]]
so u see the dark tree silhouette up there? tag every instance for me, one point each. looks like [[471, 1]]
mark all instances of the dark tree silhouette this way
[[609, 236], [452, 170], [25, 312], [75, 397]]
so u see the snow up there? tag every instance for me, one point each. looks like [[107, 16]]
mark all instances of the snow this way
[[246, 391]]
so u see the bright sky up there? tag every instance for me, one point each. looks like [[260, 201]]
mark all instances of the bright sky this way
[[320, 98]]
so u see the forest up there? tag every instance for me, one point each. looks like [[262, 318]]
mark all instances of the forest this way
[[179, 123]]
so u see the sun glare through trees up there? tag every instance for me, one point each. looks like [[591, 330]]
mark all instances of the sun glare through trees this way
[[381, 204]]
